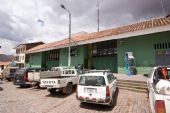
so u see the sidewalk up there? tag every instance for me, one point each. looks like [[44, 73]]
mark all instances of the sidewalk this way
[[131, 77]]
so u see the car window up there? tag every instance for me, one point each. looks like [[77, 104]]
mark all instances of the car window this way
[[20, 72], [12, 70], [92, 81], [110, 78]]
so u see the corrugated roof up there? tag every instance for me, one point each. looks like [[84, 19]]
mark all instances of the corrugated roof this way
[[115, 31]]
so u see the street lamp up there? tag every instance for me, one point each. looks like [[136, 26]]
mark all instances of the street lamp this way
[[69, 57]]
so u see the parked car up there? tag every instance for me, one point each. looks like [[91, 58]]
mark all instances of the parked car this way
[[159, 89], [9, 73], [97, 87], [62, 79], [21, 76], [1, 75]]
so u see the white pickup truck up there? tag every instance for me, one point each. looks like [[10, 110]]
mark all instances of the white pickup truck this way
[[64, 80], [34, 75], [159, 89]]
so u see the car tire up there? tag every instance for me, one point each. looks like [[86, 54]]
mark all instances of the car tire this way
[[21, 86], [69, 89], [111, 104], [52, 91]]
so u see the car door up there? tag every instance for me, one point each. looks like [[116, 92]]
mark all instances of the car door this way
[[151, 90], [112, 83]]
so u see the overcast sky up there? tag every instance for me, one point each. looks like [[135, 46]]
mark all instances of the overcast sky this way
[[44, 20]]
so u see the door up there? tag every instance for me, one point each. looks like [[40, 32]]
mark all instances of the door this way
[[162, 57]]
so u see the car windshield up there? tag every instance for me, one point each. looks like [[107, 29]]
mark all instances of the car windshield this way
[[20, 72], [92, 81]]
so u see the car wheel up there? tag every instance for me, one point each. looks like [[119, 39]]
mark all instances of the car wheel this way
[[69, 89], [52, 91], [21, 86]]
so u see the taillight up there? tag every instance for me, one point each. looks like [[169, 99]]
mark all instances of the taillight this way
[[160, 106], [107, 91], [25, 77]]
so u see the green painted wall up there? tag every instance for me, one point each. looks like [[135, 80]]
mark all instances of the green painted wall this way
[[79, 59], [35, 60], [51, 64], [106, 62], [143, 50]]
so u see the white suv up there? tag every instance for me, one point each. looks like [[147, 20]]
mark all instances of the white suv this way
[[97, 87]]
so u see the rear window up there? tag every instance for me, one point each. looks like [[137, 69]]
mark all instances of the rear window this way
[[20, 72], [92, 81], [12, 70]]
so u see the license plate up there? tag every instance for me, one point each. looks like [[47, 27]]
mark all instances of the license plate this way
[[91, 90], [17, 80]]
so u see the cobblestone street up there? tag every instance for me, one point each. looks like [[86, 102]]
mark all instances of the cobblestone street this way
[[14, 99]]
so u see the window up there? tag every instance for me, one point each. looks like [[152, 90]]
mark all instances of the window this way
[[99, 49], [155, 47], [164, 45], [110, 78], [52, 55], [105, 48], [92, 81], [73, 52], [94, 50]]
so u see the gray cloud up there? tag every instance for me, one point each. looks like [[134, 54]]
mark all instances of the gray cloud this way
[[18, 20]]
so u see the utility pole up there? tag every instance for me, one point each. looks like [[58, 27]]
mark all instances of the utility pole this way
[[69, 56], [98, 16]]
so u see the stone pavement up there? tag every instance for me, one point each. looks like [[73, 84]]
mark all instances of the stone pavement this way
[[131, 77], [31, 100]]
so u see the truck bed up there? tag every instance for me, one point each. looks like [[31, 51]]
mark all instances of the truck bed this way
[[50, 74]]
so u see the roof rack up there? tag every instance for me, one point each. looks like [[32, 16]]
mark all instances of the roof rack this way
[[98, 71]]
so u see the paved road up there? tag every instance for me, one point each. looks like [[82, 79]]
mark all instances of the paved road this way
[[31, 100]]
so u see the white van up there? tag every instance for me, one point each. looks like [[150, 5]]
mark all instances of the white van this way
[[97, 87]]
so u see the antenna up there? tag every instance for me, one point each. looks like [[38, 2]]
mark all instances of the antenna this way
[[164, 7]]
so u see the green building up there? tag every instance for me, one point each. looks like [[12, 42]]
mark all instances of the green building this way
[[149, 41]]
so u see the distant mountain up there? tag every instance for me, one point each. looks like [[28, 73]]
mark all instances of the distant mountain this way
[[4, 57]]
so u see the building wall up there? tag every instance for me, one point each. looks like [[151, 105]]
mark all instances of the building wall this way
[[105, 62], [143, 50], [35, 60], [51, 64], [78, 59]]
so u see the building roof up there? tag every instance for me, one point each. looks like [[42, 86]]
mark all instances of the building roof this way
[[5, 63], [29, 44], [85, 38]]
